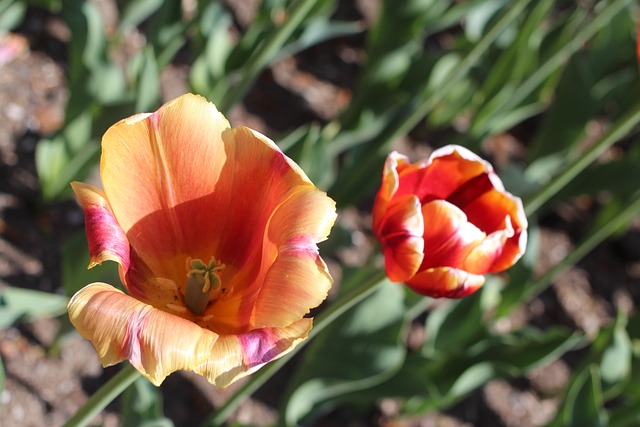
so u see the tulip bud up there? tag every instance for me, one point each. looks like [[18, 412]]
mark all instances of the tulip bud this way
[[444, 223]]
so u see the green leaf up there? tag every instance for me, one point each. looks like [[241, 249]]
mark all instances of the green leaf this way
[[318, 31], [584, 405], [142, 406], [564, 124], [312, 154], [11, 14], [69, 155], [618, 177], [137, 11], [434, 382], [456, 326], [529, 348], [95, 41], [148, 91], [75, 259], [479, 18], [615, 366], [17, 304], [219, 41], [361, 349], [57, 165]]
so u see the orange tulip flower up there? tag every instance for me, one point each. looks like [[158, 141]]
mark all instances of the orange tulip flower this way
[[446, 222], [215, 231]]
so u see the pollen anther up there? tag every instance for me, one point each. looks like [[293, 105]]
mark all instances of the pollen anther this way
[[202, 281]]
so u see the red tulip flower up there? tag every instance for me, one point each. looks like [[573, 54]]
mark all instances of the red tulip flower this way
[[215, 231], [444, 223]]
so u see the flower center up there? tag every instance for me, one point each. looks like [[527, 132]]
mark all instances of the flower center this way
[[203, 284]]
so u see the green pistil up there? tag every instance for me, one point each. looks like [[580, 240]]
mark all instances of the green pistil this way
[[202, 282]]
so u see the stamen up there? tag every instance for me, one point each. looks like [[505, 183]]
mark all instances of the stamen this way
[[202, 282]]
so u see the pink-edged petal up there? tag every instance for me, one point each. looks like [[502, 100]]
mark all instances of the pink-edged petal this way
[[445, 282], [107, 241], [257, 179], [400, 234], [120, 327], [298, 279], [236, 356], [448, 236]]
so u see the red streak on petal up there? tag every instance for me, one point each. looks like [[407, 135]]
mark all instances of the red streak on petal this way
[[104, 235], [300, 246], [131, 343], [260, 346]]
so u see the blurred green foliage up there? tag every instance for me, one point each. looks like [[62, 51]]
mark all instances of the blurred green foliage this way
[[467, 71]]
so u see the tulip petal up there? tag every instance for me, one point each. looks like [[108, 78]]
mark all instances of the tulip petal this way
[[400, 234], [448, 236], [447, 169], [120, 327], [482, 258], [445, 282], [257, 178], [107, 241], [278, 207], [149, 166], [236, 356], [298, 279], [498, 210], [394, 163]]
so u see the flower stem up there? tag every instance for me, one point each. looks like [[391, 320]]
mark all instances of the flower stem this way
[[333, 311], [104, 396], [597, 236]]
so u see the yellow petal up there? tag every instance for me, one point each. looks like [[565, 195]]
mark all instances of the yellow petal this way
[[236, 356], [120, 327]]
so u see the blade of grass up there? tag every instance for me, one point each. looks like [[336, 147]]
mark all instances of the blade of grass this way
[[104, 396], [597, 236], [614, 134], [266, 53], [414, 112], [576, 42], [460, 71]]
